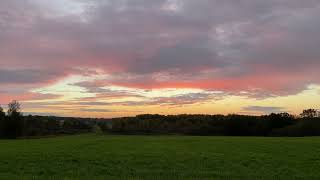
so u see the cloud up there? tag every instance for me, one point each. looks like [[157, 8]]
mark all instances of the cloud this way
[[187, 99], [26, 96], [28, 76], [97, 110], [40, 114], [263, 109], [191, 55], [249, 48]]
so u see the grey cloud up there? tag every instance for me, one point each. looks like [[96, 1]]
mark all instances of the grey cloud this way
[[40, 114], [27, 76], [192, 54], [264, 109], [188, 99], [109, 111], [96, 110], [141, 38]]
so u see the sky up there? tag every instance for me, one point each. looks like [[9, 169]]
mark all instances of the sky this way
[[113, 58]]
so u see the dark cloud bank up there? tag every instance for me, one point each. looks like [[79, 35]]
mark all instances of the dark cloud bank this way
[[271, 47]]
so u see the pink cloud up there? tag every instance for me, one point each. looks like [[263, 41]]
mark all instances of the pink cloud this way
[[270, 47]]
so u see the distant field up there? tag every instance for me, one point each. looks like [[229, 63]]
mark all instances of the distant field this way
[[160, 157]]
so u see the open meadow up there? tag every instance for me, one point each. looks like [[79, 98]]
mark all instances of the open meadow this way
[[93, 156]]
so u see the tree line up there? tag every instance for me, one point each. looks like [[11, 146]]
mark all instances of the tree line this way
[[14, 125], [281, 124]]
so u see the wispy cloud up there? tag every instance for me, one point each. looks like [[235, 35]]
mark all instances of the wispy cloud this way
[[264, 109]]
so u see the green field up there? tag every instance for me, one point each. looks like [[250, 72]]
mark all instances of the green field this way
[[160, 157]]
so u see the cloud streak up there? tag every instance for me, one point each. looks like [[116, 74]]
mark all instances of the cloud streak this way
[[265, 110]]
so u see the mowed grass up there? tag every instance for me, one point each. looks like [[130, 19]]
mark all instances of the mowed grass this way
[[160, 157]]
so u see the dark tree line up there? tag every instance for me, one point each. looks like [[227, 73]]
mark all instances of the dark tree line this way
[[281, 124], [15, 125]]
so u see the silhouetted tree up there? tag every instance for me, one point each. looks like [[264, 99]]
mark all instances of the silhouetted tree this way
[[2, 122], [14, 124], [2, 114], [309, 113], [280, 120], [14, 107]]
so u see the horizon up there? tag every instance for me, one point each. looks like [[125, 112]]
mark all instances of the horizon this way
[[105, 59], [44, 114], [258, 115]]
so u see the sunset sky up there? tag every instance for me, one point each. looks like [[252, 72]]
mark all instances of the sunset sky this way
[[111, 58]]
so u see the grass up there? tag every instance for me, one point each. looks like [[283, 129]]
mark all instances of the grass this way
[[160, 157]]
